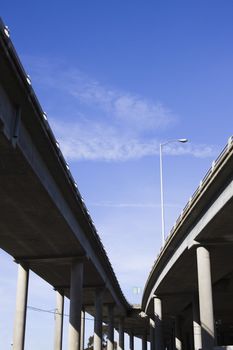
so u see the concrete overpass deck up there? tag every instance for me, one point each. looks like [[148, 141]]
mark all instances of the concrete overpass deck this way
[[177, 279], [44, 223]]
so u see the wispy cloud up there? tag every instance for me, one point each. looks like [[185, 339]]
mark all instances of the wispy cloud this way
[[198, 151], [123, 107], [88, 140], [131, 205], [104, 123]]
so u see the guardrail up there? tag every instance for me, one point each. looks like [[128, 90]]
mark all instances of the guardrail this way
[[197, 193]]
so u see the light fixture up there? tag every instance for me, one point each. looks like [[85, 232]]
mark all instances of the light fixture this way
[[161, 182]]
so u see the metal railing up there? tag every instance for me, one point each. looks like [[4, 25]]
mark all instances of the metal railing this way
[[215, 165]]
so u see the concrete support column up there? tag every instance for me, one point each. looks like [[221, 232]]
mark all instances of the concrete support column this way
[[131, 341], [158, 323], [121, 342], [196, 325], [82, 338], [205, 298], [152, 335], [21, 308], [178, 342], [59, 320], [144, 340], [98, 319], [76, 285], [110, 341]]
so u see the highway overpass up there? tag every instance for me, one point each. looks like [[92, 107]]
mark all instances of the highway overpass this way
[[46, 227], [44, 223], [189, 291]]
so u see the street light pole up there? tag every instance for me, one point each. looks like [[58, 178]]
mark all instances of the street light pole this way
[[161, 183], [161, 193]]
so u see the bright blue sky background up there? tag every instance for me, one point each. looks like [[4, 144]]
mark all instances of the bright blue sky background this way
[[117, 78]]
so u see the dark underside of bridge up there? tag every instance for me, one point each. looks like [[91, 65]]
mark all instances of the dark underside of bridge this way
[[43, 220], [179, 287], [34, 232]]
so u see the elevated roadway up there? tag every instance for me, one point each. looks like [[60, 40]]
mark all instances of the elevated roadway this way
[[44, 223], [190, 287]]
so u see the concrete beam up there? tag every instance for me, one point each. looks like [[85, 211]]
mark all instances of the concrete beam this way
[[59, 314], [152, 335], [82, 337], [85, 287], [196, 325], [21, 307], [178, 341], [205, 298], [50, 259], [110, 340], [131, 340], [98, 319], [212, 242], [75, 305], [144, 340], [121, 341], [158, 323]]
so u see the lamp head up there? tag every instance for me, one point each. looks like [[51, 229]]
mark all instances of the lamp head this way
[[182, 140]]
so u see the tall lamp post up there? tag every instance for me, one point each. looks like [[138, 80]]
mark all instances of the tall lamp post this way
[[161, 145]]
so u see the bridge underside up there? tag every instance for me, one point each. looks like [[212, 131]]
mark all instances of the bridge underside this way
[[179, 287], [33, 231], [44, 223]]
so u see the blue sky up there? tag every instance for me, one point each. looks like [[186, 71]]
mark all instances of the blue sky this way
[[117, 78]]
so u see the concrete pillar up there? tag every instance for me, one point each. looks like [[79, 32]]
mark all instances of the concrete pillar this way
[[110, 340], [121, 342], [144, 340], [205, 298], [98, 319], [152, 335], [196, 325], [178, 342], [82, 338], [158, 323], [131, 341], [59, 320], [76, 285], [21, 307]]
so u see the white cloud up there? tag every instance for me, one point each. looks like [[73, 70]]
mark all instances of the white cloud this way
[[142, 113], [99, 142], [198, 151], [88, 140], [120, 106], [124, 107], [104, 123]]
